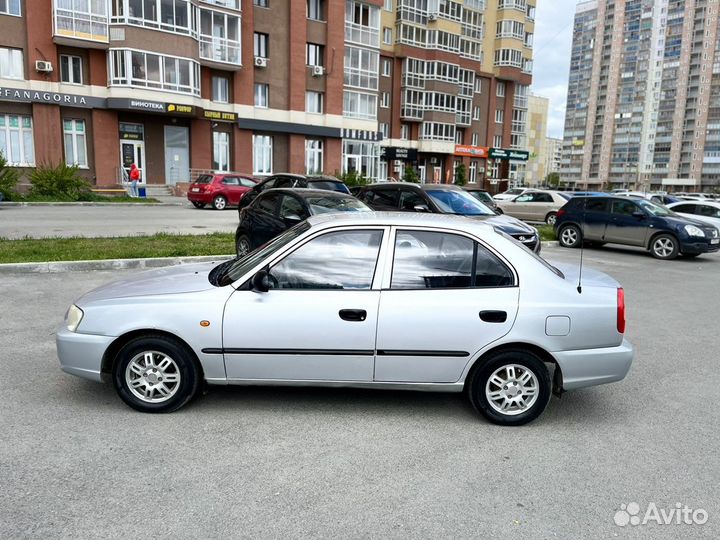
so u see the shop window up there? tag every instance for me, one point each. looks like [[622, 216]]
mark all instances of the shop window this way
[[262, 154], [262, 95], [314, 102], [70, 69], [221, 151], [75, 142], [313, 156], [16, 140], [220, 89], [11, 63]]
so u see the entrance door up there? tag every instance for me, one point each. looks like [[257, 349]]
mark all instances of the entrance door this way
[[423, 176], [177, 154], [132, 152]]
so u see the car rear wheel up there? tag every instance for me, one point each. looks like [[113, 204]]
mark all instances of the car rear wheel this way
[[242, 245], [570, 236], [550, 218], [511, 387], [499, 210], [219, 202], [664, 247], [197, 204], [155, 374]]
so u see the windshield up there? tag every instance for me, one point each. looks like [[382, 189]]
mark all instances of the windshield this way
[[514, 191], [481, 196], [654, 209], [238, 267], [537, 257], [458, 202], [326, 205], [204, 179]]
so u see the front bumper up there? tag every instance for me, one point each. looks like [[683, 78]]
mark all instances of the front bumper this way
[[590, 367], [81, 354], [698, 247]]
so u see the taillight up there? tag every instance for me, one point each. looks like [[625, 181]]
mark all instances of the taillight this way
[[621, 310], [560, 213]]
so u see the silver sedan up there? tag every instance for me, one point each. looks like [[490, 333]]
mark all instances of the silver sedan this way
[[381, 300]]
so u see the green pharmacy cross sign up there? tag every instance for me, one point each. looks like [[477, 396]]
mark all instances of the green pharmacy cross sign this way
[[507, 154]]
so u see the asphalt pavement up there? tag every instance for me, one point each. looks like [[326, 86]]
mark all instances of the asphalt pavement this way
[[334, 463]]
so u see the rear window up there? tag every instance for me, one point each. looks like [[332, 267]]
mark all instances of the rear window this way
[[204, 179], [329, 185], [324, 205]]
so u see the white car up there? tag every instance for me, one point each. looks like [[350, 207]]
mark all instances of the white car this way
[[376, 300], [702, 210], [535, 205], [510, 194]]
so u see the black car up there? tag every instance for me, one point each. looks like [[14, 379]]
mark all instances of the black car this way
[[276, 210], [444, 199], [288, 180], [633, 222]]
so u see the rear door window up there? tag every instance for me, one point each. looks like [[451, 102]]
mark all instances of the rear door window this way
[[230, 181], [291, 208], [268, 203], [595, 205]]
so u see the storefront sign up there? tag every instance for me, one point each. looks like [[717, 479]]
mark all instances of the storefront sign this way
[[361, 134], [131, 132], [136, 105], [220, 116], [471, 151], [506, 154], [51, 98], [180, 109], [390, 153]]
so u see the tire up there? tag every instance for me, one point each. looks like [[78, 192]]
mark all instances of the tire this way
[[570, 236], [550, 218], [155, 374], [515, 377], [197, 204], [242, 245], [220, 203], [664, 247], [499, 211]]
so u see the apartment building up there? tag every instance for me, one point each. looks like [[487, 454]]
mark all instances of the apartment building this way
[[262, 86], [553, 155], [536, 168], [643, 105]]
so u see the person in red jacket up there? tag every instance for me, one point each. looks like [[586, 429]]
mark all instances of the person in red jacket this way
[[134, 179]]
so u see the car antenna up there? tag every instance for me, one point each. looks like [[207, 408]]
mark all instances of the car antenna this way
[[582, 244]]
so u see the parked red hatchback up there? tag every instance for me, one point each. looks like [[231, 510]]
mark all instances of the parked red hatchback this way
[[219, 190]]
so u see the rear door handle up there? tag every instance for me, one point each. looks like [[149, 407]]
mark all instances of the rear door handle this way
[[353, 314], [491, 316]]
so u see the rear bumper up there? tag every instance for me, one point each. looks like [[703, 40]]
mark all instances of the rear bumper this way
[[81, 354], [199, 197], [590, 367]]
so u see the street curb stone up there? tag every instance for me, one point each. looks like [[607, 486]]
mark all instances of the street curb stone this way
[[88, 203], [109, 264]]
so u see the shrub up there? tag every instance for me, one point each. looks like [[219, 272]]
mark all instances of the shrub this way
[[460, 178], [353, 178], [411, 175], [8, 180], [61, 182]]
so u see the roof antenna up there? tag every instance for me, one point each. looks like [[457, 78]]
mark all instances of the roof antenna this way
[[582, 243]]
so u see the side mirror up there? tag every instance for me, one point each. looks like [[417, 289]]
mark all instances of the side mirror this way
[[421, 208], [638, 214], [261, 281], [293, 217]]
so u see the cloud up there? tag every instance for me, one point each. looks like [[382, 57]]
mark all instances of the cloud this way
[[551, 55]]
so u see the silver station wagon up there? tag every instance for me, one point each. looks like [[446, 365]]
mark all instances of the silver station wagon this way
[[380, 300]]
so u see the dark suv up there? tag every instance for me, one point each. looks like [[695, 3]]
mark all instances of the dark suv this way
[[444, 199], [288, 180], [633, 222]]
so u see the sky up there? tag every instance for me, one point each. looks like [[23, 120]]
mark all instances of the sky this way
[[551, 57]]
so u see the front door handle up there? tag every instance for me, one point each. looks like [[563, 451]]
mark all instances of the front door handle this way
[[353, 314], [493, 316]]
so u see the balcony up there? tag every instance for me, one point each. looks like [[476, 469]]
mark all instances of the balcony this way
[[74, 21], [223, 51], [357, 33]]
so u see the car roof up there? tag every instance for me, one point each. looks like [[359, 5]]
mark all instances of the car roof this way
[[308, 177], [423, 187], [309, 192], [714, 204], [408, 219]]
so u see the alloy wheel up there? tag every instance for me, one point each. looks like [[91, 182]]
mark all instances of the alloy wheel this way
[[220, 203], [512, 389], [152, 376], [569, 236], [663, 247]]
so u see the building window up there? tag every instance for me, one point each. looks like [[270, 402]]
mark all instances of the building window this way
[[314, 102], [438, 131], [497, 141], [219, 36], [386, 67], [387, 35], [220, 89], [11, 63], [499, 116], [75, 143], [261, 3], [459, 136], [10, 7], [478, 85], [262, 48], [387, 5], [508, 57], [169, 15], [362, 23], [472, 172], [385, 129], [500, 89], [361, 68], [315, 10], [70, 68], [221, 151], [139, 68], [359, 105], [360, 157], [385, 100], [16, 140], [404, 132], [313, 156], [476, 113], [262, 95], [314, 54], [262, 154], [475, 139]]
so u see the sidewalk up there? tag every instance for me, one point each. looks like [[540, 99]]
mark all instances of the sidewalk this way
[[108, 264]]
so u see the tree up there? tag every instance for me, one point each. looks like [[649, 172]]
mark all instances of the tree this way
[[8, 180], [553, 179], [411, 175], [460, 178]]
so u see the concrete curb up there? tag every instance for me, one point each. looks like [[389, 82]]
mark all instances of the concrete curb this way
[[88, 203], [109, 264], [550, 243]]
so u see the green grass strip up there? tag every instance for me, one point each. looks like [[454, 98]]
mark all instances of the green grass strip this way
[[546, 233], [133, 247]]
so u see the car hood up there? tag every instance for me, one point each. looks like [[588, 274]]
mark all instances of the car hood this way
[[681, 221], [506, 224], [502, 197], [590, 276], [183, 278]]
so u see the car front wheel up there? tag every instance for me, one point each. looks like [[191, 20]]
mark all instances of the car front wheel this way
[[664, 247], [155, 374], [219, 203], [511, 387], [570, 236], [242, 245], [550, 218]]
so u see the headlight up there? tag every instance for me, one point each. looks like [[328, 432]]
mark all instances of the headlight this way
[[692, 230], [73, 317]]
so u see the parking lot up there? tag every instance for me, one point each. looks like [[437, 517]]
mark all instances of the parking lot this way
[[264, 462]]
